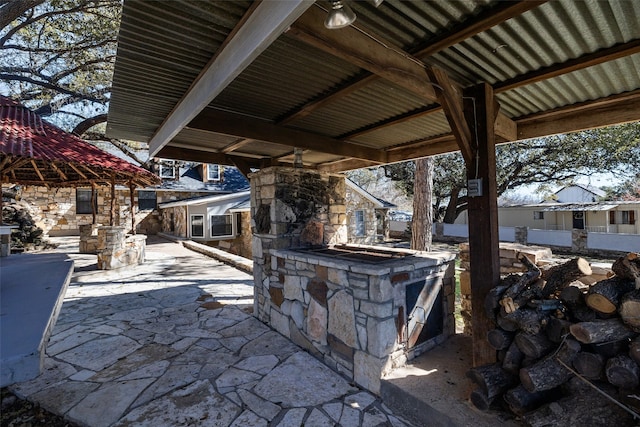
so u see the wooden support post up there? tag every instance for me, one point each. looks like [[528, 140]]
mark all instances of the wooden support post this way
[[112, 211], [94, 202], [132, 188], [484, 251]]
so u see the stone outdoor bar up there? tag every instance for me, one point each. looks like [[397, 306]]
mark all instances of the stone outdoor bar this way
[[363, 310]]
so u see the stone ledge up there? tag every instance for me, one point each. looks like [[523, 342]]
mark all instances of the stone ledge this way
[[236, 261]]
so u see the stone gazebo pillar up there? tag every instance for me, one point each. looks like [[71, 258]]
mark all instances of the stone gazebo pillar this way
[[291, 208]]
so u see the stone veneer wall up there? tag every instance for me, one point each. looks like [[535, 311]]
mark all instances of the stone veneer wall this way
[[356, 202], [353, 315], [350, 314], [116, 249], [54, 209]]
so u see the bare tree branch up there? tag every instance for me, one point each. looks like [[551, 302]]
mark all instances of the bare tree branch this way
[[12, 10]]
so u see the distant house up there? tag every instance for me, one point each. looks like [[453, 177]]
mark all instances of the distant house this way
[[367, 216], [61, 211], [578, 193]]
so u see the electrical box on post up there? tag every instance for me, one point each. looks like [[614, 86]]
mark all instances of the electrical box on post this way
[[474, 187]]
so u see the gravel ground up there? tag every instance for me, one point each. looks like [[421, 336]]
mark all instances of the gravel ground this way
[[16, 412]]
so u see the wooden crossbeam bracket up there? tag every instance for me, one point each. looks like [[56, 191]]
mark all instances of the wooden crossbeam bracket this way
[[450, 97]]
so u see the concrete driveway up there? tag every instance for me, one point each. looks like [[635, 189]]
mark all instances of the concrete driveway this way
[[172, 342]]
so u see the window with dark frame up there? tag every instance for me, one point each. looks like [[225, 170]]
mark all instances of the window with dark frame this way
[[213, 172], [221, 225], [197, 225], [147, 200], [83, 201], [628, 217], [167, 169], [538, 215], [359, 223]]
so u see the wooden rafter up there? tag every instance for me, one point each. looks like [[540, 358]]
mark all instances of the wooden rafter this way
[[59, 172], [235, 145], [621, 108], [243, 126], [78, 171], [482, 22], [37, 170], [263, 25], [604, 55], [338, 93], [202, 156], [378, 56], [396, 120]]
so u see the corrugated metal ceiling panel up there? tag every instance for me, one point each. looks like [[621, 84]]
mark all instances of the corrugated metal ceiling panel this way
[[162, 47], [285, 76]]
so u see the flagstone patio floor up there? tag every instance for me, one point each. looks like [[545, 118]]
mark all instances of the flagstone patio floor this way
[[172, 342]]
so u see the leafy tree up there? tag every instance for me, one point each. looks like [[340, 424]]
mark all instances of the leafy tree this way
[[57, 58], [554, 160], [626, 190]]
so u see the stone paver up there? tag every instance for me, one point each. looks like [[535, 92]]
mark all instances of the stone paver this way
[[172, 342]]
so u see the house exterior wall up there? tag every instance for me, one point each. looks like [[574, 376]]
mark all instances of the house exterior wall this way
[[575, 194], [54, 209], [355, 202], [594, 221]]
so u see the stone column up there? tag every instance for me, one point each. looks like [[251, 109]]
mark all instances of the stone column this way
[[521, 235], [291, 207], [579, 240]]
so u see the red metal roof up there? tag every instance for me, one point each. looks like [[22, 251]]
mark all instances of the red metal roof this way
[[24, 135]]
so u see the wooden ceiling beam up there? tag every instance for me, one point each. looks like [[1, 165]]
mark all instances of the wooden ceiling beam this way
[[485, 20], [263, 25], [201, 156], [338, 93], [482, 22], [621, 108], [379, 56], [235, 145], [247, 127], [601, 56]]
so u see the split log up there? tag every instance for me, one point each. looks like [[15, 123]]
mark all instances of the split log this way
[[557, 329], [589, 365], [623, 372], [604, 297], [548, 373], [499, 338], [629, 309], [505, 322], [513, 359], [533, 346], [634, 349], [572, 295], [492, 300], [628, 267], [600, 331], [609, 348], [560, 276], [525, 319], [509, 299], [520, 400], [492, 379], [583, 313], [586, 407], [574, 298], [480, 400]]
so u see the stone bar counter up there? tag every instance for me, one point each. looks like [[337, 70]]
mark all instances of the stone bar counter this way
[[362, 318]]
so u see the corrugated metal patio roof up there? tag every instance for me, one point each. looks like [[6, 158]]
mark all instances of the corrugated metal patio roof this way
[[555, 66]]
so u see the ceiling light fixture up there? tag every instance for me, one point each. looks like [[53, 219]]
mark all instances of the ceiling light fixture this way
[[340, 16]]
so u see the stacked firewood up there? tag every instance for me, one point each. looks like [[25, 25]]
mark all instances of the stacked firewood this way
[[568, 352]]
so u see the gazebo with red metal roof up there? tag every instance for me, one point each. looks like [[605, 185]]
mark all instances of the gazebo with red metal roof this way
[[35, 152]]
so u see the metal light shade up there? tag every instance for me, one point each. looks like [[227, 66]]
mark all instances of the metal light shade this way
[[339, 16]]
